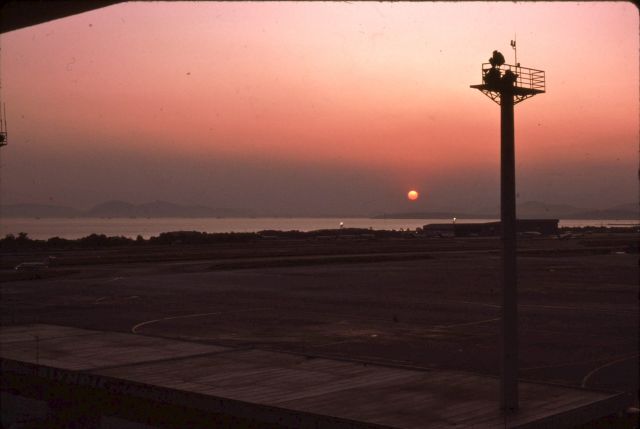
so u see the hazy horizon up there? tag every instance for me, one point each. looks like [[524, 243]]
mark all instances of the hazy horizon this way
[[318, 107]]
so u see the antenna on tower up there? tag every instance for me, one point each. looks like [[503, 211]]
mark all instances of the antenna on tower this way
[[515, 50]]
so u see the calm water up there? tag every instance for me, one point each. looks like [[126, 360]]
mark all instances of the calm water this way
[[81, 227]]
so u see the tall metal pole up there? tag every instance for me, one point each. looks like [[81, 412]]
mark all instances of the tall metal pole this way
[[507, 88], [509, 349]]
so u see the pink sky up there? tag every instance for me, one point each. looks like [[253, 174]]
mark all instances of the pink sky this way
[[115, 102]]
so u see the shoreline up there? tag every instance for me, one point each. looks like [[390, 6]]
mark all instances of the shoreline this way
[[78, 229]]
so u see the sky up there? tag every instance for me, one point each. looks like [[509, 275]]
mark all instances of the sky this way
[[318, 108]]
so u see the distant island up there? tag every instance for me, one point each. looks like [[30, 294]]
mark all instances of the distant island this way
[[163, 209]]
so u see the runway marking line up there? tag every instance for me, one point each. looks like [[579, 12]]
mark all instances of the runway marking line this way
[[477, 322], [573, 363], [187, 316], [613, 362]]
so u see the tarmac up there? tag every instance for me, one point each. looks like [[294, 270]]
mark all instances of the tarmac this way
[[275, 388], [426, 305]]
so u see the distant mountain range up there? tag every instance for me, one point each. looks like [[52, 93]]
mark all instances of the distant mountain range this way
[[163, 209], [533, 210], [121, 209], [539, 210]]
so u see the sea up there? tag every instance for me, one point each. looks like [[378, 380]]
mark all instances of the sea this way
[[73, 228]]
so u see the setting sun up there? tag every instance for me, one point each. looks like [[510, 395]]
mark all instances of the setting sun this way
[[412, 195]]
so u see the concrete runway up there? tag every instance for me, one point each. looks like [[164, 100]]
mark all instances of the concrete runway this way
[[578, 312]]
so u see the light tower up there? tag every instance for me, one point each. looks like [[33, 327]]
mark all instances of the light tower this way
[[508, 85]]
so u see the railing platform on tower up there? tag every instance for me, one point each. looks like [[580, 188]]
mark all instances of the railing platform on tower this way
[[528, 83]]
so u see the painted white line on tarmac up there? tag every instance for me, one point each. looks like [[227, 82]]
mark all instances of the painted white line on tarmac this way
[[613, 362], [334, 343], [573, 363], [477, 322], [134, 330], [548, 307], [592, 310]]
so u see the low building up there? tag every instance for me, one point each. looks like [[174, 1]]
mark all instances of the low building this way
[[490, 229], [486, 229], [543, 226], [439, 230]]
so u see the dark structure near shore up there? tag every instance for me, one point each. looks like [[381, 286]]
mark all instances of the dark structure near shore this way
[[489, 229]]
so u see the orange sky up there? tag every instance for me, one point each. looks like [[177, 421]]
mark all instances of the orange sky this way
[[359, 102]]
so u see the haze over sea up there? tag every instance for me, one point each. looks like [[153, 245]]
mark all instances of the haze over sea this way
[[43, 229]]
